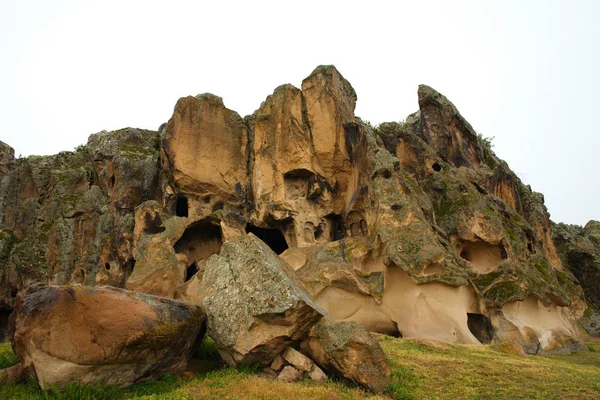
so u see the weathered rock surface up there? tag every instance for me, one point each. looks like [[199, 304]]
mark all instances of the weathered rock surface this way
[[201, 126], [12, 374], [414, 228], [579, 250], [289, 374], [69, 218], [85, 334], [255, 306], [349, 350], [297, 359]]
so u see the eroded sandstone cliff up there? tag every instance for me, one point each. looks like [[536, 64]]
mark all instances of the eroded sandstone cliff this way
[[412, 228]]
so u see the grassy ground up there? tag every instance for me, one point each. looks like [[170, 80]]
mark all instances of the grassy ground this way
[[419, 372]]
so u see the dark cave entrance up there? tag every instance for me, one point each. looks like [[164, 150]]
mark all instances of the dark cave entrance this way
[[337, 229], [272, 237], [181, 207], [190, 271], [4, 315], [154, 224], [436, 167], [200, 240], [481, 327]]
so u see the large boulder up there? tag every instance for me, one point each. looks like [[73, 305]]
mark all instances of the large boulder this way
[[254, 304], [349, 350], [65, 334]]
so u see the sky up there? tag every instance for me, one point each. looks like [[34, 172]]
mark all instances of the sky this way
[[525, 72]]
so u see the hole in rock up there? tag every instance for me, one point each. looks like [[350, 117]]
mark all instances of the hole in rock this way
[[207, 199], [272, 237], [433, 268], [481, 327], [355, 221], [337, 229], [296, 183], [191, 271], [4, 315], [484, 257], [112, 180], [530, 240], [479, 188], [436, 167], [396, 207], [107, 266], [181, 207], [200, 240], [364, 228], [318, 231], [530, 247], [387, 174], [152, 224], [218, 206]]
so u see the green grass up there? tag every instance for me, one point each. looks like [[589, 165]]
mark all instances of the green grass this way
[[7, 357], [418, 372]]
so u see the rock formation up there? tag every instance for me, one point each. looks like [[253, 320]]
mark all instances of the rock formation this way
[[579, 250], [255, 307], [412, 228], [101, 335], [348, 350]]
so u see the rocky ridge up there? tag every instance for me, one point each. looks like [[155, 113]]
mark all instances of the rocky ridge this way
[[413, 228]]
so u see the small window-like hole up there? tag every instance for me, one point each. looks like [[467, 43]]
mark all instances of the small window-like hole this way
[[465, 255], [218, 206], [318, 232], [113, 180], [387, 174], [396, 207], [107, 266], [207, 199], [181, 208], [436, 167], [191, 271]]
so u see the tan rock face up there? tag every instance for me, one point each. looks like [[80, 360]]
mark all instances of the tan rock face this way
[[206, 144], [83, 334], [414, 228]]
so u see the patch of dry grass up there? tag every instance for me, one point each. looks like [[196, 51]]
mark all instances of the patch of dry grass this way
[[420, 371], [478, 372]]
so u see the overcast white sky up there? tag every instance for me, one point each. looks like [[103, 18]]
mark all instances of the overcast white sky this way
[[526, 72]]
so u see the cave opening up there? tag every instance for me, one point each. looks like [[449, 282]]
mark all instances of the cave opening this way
[[153, 224], [272, 237], [337, 230], [481, 327], [436, 167], [107, 266], [4, 315], [484, 257], [296, 183], [318, 232], [200, 240], [181, 207], [190, 271]]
